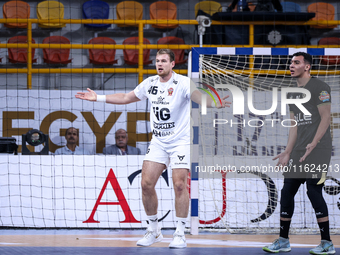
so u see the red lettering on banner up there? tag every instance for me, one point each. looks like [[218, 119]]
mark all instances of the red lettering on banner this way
[[129, 218]]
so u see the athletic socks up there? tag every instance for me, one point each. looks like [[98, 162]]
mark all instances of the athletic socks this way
[[324, 230], [153, 222], [284, 228], [181, 225]]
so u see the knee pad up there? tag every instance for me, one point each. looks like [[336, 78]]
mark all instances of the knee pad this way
[[315, 196], [287, 202]]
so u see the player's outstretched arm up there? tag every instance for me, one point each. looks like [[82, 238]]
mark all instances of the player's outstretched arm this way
[[119, 98], [122, 98], [90, 95]]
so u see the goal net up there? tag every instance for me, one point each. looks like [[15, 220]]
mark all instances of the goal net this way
[[239, 186]]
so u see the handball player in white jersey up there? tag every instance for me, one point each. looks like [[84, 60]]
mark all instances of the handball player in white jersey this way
[[170, 95]]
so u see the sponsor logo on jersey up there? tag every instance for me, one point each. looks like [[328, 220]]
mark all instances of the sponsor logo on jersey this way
[[302, 119], [148, 151], [162, 91], [160, 100], [162, 133], [170, 91], [296, 95], [161, 114], [324, 96], [175, 82], [164, 125], [181, 157]]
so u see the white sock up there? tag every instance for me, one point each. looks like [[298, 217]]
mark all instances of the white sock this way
[[153, 222], [181, 225]]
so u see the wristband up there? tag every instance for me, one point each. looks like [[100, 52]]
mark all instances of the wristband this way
[[213, 104], [101, 98]]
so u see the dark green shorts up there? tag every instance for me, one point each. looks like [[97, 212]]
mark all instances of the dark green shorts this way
[[315, 166]]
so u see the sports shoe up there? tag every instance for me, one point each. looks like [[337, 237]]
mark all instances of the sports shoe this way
[[325, 247], [281, 244], [178, 241], [150, 237]]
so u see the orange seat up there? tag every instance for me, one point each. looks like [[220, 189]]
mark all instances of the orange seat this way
[[129, 10], [179, 54], [323, 12], [19, 55], [163, 10], [330, 60], [56, 56], [102, 56], [131, 56], [16, 10]]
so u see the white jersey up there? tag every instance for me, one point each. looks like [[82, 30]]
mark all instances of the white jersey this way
[[170, 108]]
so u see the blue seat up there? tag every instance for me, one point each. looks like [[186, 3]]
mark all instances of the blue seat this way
[[290, 7], [96, 9]]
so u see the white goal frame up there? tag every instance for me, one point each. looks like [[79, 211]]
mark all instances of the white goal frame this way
[[194, 72]]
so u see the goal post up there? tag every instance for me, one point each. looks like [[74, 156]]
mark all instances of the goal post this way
[[238, 187]]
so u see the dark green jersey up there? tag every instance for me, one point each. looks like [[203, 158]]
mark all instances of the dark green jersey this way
[[308, 125]]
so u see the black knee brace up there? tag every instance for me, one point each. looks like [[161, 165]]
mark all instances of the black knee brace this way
[[290, 187], [315, 196]]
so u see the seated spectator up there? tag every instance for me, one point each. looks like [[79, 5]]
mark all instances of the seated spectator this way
[[71, 148], [268, 6], [121, 147], [262, 5], [234, 3]]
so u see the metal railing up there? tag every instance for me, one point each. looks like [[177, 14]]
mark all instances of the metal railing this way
[[140, 69]]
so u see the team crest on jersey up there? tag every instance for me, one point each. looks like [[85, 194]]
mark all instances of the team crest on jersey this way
[[170, 91], [324, 96]]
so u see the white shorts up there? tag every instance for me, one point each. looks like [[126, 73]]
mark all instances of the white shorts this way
[[178, 156]]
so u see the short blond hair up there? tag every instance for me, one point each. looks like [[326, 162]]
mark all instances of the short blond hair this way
[[169, 52]]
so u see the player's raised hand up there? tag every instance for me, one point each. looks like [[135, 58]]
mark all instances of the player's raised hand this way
[[90, 95], [224, 103]]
